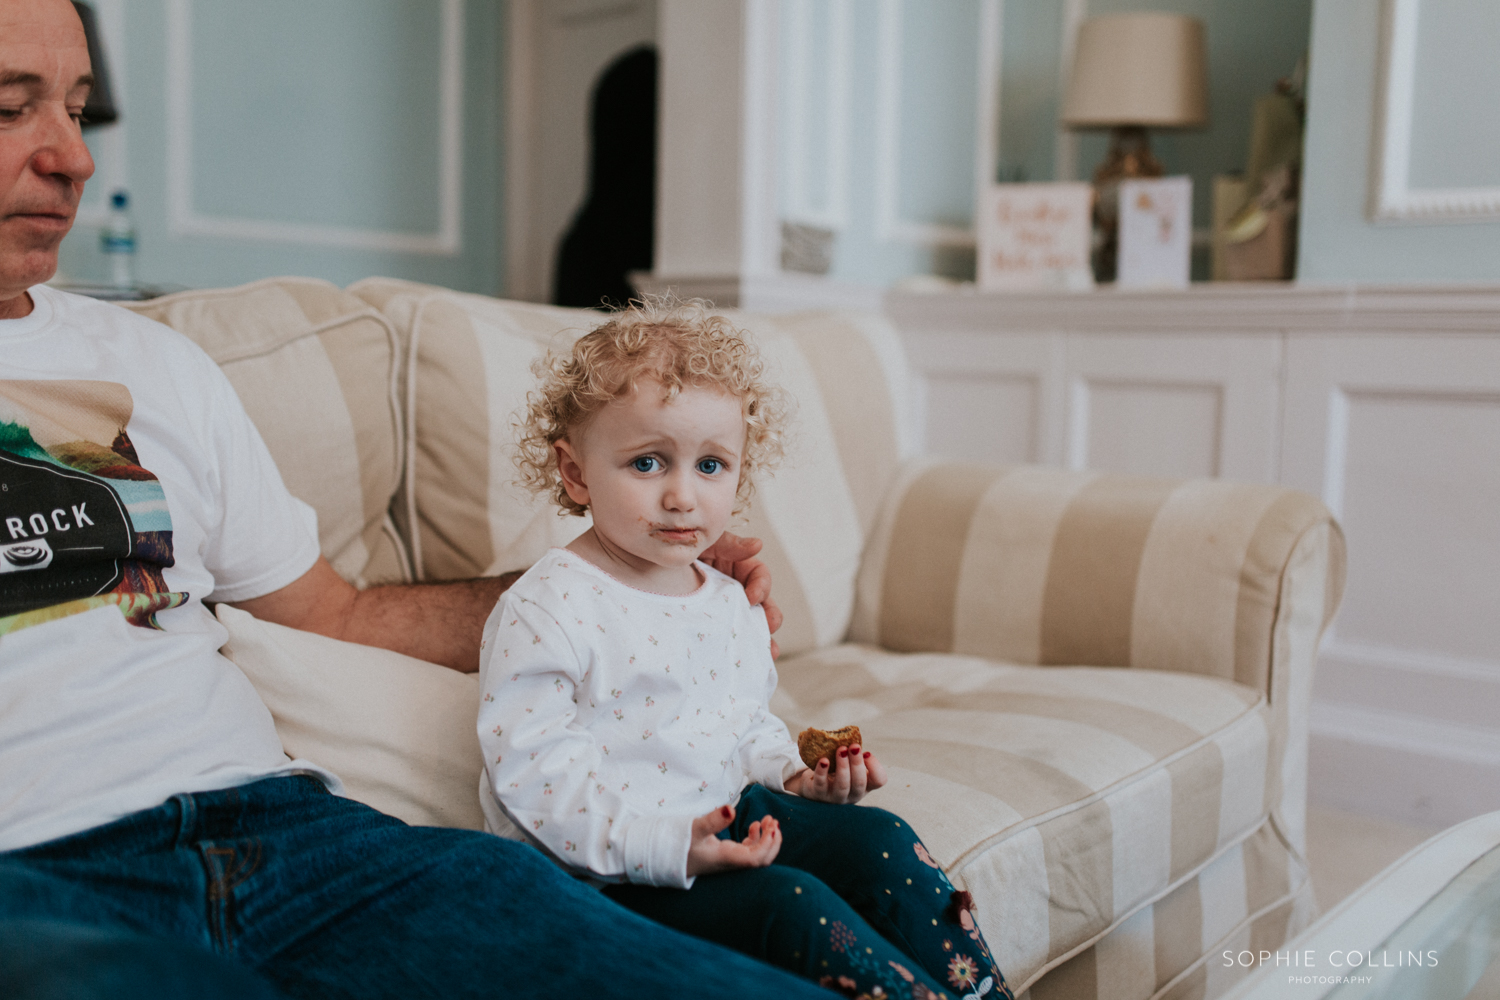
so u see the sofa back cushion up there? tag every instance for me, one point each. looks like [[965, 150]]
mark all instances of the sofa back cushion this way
[[315, 367], [468, 369]]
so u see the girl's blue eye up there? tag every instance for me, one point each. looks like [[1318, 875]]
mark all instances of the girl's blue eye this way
[[709, 466], [644, 464]]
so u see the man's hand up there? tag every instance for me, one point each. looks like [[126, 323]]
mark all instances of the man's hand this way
[[735, 556], [854, 774], [709, 854]]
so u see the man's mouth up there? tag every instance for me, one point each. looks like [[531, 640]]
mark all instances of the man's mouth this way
[[42, 220]]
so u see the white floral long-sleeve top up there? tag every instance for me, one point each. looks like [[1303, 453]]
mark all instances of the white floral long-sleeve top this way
[[611, 717]]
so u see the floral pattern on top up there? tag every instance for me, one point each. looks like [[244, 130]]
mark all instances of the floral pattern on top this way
[[580, 670]]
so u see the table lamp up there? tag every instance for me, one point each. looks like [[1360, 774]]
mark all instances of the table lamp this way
[[1132, 72]]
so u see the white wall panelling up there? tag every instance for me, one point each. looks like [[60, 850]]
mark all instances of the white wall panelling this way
[[799, 203], [1392, 197], [1383, 402], [760, 231], [990, 399], [184, 219], [1400, 434], [523, 278], [890, 226], [1175, 405]]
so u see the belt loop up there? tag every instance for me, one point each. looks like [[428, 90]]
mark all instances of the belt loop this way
[[187, 818]]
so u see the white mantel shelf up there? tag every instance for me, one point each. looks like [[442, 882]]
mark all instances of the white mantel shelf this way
[[1205, 308]]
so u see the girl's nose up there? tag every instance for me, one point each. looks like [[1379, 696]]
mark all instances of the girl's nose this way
[[679, 494]]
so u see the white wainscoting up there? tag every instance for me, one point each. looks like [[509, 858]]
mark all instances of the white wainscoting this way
[[1383, 402]]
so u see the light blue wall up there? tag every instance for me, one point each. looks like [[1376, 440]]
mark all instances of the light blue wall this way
[[1455, 139], [319, 113], [1030, 98]]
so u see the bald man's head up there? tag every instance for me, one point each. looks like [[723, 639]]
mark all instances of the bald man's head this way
[[44, 81]]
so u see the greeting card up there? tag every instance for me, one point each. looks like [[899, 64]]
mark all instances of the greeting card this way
[[1156, 232], [1035, 236]]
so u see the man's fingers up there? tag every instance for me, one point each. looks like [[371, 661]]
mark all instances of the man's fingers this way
[[755, 577], [774, 617], [775, 650], [736, 548]]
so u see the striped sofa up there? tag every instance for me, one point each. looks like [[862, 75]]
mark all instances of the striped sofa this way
[[1091, 690]]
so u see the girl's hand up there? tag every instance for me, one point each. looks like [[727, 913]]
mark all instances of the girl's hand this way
[[709, 854], [846, 782]]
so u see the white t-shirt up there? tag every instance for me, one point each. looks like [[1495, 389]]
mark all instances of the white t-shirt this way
[[611, 717], [133, 487]]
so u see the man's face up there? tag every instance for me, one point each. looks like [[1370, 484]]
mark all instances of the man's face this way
[[44, 81]]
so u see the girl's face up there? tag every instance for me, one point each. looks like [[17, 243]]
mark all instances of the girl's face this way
[[659, 477]]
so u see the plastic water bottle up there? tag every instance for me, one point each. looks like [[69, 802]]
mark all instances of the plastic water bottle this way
[[118, 241]]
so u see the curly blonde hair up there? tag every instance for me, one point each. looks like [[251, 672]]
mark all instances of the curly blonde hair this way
[[675, 344]]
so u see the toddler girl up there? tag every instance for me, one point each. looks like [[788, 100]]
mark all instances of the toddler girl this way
[[625, 720]]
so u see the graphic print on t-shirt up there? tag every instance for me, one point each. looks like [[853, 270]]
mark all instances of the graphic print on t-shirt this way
[[82, 524]]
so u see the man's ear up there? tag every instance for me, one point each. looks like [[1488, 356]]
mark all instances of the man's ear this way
[[571, 471]]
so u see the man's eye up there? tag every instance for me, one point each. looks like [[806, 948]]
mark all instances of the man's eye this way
[[644, 464], [710, 466]]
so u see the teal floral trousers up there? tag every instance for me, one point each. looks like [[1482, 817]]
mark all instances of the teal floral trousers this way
[[853, 901]]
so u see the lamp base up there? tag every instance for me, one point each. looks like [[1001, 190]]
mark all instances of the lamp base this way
[[1129, 157]]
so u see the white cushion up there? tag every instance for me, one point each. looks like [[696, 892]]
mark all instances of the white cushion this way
[[399, 731]]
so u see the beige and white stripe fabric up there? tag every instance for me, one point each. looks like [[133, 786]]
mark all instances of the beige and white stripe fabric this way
[[469, 369], [1046, 566], [1071, 801], [316, 369], [465, 374], [1254, 896]]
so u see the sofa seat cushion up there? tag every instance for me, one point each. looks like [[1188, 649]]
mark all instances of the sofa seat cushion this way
[[1064, 798]]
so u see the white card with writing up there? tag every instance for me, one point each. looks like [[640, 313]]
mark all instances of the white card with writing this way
[[1156, 232], [1035, 236]]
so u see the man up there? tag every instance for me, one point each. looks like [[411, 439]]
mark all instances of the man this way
[[154, 840]]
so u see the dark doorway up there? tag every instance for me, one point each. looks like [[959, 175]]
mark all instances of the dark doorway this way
[[612, 234]]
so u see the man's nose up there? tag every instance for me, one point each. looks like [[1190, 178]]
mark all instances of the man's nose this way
[[62, 151]]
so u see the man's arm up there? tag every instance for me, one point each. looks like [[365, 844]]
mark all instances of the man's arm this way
[[442, 622], [438, 622]]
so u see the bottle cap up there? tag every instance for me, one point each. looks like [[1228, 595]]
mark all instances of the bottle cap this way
[[119, 199]]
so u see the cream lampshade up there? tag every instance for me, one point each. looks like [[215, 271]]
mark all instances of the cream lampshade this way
[[1130, 72], [1146, 68]]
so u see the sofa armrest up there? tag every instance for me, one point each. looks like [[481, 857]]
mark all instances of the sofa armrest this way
[[1044, 566]]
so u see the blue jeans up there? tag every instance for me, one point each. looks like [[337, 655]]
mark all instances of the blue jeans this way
[[278, 882], [853, 901]]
